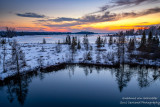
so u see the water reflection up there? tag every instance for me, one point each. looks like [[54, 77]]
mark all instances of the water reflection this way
[[123, 76], [147, 76], [17, 87]]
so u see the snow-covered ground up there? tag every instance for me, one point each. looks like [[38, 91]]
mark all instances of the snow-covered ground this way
[[49, 56], [35, 51]]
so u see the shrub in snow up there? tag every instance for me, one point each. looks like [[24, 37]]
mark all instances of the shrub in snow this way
[[42, 49], [40, 61], [87, 56], [58, 48], [98, 57]]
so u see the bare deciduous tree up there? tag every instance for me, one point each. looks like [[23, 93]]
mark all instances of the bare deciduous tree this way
[[18, 56], [10, 32]]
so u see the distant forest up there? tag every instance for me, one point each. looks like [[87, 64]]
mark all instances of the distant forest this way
[[11, 31], [3, 33]]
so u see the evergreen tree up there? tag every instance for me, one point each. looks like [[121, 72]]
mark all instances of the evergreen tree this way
[[150, 42], [155, 44], [79, 45], [68, 40], [58, 48], [73, 44], [3, 41], [142, 46], [157, 40], [44, 41], [86, 42], [150, 38], [131, 45], [89, 56], [110, 40], [99, 42], [59, 42], [104, 41], [115, 41]]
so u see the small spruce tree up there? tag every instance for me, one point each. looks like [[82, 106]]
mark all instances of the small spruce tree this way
[[44, 41], [142, 46]]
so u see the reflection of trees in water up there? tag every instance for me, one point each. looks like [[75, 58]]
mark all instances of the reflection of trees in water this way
[[156, 75], [71, 70], [87, 70], [91, 70], [21, 89], [10, 93], [123, 76], [145, 78], [41, 74], [17, 88], [98, 69]]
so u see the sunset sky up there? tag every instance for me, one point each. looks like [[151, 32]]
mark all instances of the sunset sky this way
[[78, 15]]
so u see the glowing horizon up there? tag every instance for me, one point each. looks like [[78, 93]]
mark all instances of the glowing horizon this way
[[81, 15]]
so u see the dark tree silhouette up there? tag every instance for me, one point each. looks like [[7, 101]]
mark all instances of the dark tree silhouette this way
[[86, 42], [99, 42], [131, 45], [142, 46], [79, 45], [44, 41], [68, 40], [110, 40], [10, 32]]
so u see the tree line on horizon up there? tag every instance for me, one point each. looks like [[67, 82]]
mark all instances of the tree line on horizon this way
[[11, 32], [148, 48], [22, 33]]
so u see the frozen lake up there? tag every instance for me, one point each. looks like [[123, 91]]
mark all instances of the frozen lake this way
[[55, 38]]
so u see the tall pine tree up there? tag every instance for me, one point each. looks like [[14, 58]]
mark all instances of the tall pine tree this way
[[142, 46]]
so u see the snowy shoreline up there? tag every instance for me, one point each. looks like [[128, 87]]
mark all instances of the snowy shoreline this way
[[45, 55], [51, 58], [62, 65]]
